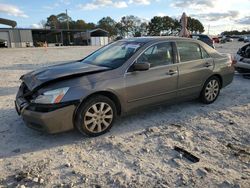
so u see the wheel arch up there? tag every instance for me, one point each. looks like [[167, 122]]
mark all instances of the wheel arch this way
[[108, 94], [219, 77], [215, 75]]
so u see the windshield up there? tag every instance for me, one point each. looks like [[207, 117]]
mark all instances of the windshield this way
[[113, 55]]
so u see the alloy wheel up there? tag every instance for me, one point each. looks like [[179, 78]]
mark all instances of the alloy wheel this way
[[98, 117], [212, 90]]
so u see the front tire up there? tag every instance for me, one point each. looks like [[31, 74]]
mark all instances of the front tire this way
[[96, 116], [211, 90]]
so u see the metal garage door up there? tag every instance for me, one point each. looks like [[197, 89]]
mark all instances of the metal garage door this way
[[4, 35]]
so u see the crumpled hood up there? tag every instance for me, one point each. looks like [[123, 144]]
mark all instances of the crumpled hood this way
[[41, 76]]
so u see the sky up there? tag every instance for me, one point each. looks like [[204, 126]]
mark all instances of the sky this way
[[216, 15]]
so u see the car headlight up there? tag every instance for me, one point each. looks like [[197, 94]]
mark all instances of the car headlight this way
[[51, 97]]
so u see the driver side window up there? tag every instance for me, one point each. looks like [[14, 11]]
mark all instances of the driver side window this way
[[157, 55]]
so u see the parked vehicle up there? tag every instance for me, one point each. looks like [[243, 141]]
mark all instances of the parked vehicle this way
[[241, 39], [247, 39], [3, 43], [119, 78], [225, 39], [204, 38], [216, 39], [243, 60]]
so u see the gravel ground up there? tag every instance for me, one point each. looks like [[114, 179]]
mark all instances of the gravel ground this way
[[139, 151]]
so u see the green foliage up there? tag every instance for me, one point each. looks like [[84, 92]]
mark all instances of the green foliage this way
[[60, 22], [163, 26], [62, 17], [128, 25], [194, 25], [52, 22], [236, 32], [131, 26], [155, 26], [108, 24]]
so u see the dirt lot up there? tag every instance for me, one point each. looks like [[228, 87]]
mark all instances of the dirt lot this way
[[139, 150]]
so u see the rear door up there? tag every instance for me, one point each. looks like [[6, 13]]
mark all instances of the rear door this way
[[195, 66], [156, 85]]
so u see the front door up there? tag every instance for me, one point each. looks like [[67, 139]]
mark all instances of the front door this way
[[156, 85]]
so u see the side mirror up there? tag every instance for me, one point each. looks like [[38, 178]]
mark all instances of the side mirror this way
[[141, 66]]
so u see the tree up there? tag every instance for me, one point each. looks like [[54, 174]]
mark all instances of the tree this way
[[161, 26], [131, 26], [236, 32], [155, 26], [63, 17], [90, 26], [143, 30], [60, 22], [119, 29], [43, 23], [177, 27], [52, 22], [108, 24], [127, 23], [80, 24], [195, 25], [168, 25]]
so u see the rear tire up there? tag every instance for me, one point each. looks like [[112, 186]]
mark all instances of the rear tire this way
[[211, 90], [96, 116]]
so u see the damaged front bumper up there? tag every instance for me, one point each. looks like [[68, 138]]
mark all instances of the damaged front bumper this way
[[51, 118], [242, 65]]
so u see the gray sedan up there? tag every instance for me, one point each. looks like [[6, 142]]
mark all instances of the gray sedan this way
[[119, 78]]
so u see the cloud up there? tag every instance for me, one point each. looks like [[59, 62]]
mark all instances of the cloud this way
[[193, 3], [96, 4], [161, 14], [65, 2], [12, 10], [120, 4], [215, 16], [244, 21], [56, 4], [140, 2], [37, 26]]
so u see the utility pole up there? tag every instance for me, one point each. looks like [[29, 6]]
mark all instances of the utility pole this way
[[68, 26], [208, 29]]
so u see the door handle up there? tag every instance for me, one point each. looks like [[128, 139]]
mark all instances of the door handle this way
[[172, 72], [207, 64]]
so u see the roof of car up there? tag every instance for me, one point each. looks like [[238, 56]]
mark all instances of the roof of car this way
[[199, 35], [154, 39]]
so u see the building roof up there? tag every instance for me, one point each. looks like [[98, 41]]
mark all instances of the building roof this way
[[155, 38], [57, 30], [11, 23]]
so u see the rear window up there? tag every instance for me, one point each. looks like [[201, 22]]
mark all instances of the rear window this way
[[189, 51]]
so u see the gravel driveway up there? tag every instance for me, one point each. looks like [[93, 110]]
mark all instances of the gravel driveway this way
[[139, 150]]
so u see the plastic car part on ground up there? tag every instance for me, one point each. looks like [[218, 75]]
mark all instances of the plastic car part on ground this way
[[187, 154]]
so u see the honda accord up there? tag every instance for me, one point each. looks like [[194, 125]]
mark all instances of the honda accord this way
[[121, 77]]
